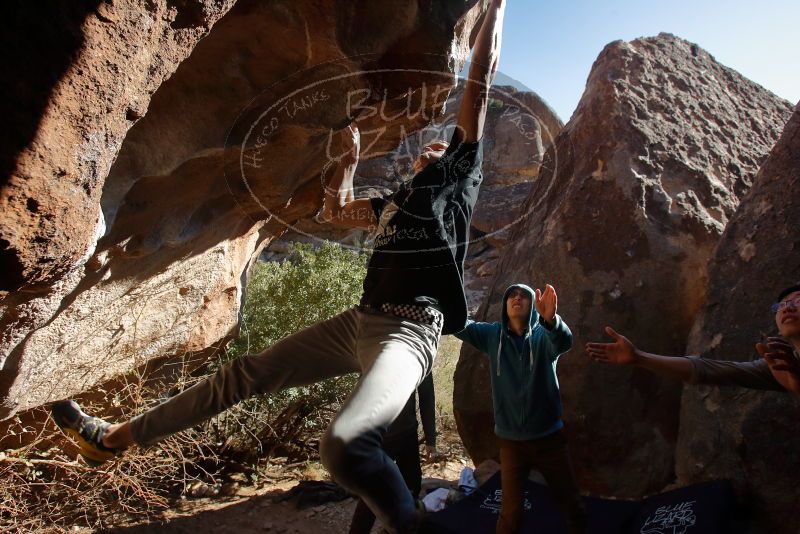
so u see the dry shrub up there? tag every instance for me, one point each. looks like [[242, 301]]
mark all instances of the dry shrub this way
[[44, 488]]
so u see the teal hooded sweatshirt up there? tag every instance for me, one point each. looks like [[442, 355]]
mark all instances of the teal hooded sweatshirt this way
[[527, 404]]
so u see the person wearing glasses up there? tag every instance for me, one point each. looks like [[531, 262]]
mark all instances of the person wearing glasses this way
[[777, 370]]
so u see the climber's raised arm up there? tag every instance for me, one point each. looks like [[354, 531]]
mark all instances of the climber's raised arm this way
[[339, 206], [485, 56]]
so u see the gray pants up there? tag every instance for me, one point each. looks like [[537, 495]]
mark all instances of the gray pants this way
[[392, 355]]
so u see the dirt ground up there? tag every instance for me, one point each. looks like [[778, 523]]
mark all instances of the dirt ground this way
[[254, 509]]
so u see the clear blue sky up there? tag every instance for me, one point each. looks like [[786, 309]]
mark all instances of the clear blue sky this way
[[550, 46]]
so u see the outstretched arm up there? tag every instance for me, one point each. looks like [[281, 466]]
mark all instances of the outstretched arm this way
[[623, 352], [339, 206], [476, 334], [485, 55], [777, 371]]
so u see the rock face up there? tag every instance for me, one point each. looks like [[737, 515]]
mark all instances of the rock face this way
[[85, 77], [623, 220], [519, 128], [79, 75], [149, 167], [750, 437]]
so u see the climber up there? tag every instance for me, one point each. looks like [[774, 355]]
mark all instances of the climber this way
[[413, 292], [523, 348], [777, 370]]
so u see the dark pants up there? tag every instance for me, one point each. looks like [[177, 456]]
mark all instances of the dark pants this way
[[550, 457], [404, 450]]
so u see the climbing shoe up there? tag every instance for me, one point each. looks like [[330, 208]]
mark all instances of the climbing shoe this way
[[86, 430]]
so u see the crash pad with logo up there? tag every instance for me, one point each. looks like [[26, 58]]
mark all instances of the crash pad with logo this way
[[699, 509]]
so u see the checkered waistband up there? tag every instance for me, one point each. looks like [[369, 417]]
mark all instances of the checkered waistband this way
[[419, 314]]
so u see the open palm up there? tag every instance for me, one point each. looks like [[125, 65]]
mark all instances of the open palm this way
[[620, 352], [547, 303]]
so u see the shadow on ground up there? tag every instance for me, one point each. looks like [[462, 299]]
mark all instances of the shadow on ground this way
[[247, 514]]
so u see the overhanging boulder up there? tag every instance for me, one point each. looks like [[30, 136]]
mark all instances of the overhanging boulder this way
[[129, 221]]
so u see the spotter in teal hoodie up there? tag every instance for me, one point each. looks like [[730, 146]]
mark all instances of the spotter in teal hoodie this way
[[527, 404]]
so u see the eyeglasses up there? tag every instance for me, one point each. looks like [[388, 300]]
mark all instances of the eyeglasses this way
[[778, 306]]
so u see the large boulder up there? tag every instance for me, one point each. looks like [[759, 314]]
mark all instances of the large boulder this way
[[152, 166], [750, 437], [80, 74], [623, 220]]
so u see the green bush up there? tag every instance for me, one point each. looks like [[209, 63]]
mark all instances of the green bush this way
[[495, 105], [314, 284]]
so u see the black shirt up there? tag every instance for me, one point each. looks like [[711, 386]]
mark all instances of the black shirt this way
[[423, 233]]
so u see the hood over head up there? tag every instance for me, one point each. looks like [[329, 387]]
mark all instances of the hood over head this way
[[534, 315], [533, 318]]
